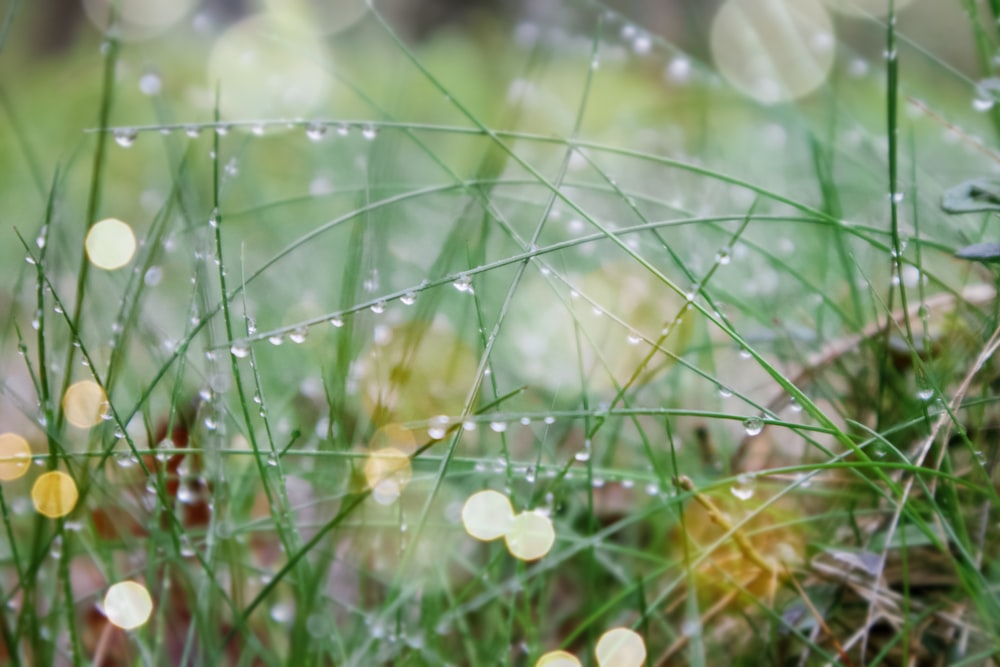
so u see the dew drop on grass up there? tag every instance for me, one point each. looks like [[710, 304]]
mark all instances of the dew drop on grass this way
[[549, 420], [743, 489], [276, 339], [487, 515], [925, 394], [620, 647], [438, 427], [240, 349], [369, 132], [126, 460], [315, 131], [150, 84], [634, 338], [378, 307], [982, 104], [336, 321], [299, 335], [652, 489], [125, 137], [498, 426], [153, 276], [725, 392], [408, 299], [582, 456], [282, 612], [343, 129], [753, 426], [723, 257], [192, 131], [463, 283], [258, 129]]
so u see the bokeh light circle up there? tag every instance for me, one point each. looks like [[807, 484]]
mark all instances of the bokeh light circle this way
[[54, 494], [620, 647], [110, 244], [387, 472], [137, 19], [15, 456], [861, 8], [265, 69], [531, 536], [773, 50], [487, 515], [85, 404], [128, 605], [558, 659], [322, 17]]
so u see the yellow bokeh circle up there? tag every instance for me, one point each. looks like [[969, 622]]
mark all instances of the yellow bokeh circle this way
[[85, 404], [15, 456], [128, 605], [531, 536], [558, 659], [387, 472], [773, 50], [487, 515], [620, 647], [54, 494], [110, 244]]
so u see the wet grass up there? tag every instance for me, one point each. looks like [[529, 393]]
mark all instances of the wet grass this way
[[724, 347]]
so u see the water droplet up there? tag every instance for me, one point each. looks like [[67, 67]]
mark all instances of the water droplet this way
[[369, 132], [125, 460], [240, 349], [498, 426], [299, 335], [276, 339], [378, 307], [315, 131], [192, 131], [343, 129], [125, 137], [897, 197], [982, 104], [926, 394], [743, 489], [724, 256], [725, 392], [150, 84], [463, 283], [549, 420], [408, 299], [438, 427], [634, 338], [258, 129], [753, 426], [679, 69], [153, 276]]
